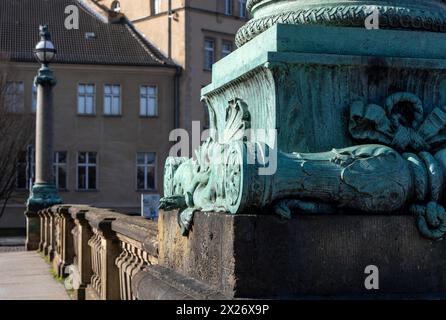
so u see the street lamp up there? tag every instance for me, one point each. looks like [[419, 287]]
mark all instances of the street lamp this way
[[45, 53], [44, 192], [44, 50]]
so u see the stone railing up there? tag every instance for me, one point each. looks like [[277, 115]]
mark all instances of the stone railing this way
[[100, 250], [63, 241], [139, 249]]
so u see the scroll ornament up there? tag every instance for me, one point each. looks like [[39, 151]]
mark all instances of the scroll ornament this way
[[401, 124], [192, 185], [401, 174]]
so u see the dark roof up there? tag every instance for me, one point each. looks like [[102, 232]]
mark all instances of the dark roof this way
[[114, 43]]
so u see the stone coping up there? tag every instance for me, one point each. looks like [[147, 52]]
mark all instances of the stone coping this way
[[134, 227], [296, 43], [139, 229]]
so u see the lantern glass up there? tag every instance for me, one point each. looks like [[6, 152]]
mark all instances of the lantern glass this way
[[45, 51]]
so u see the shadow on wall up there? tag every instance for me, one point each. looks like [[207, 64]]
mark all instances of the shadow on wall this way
[[13, 218]]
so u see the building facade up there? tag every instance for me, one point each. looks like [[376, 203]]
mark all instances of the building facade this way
[[193, 33], [114, 105]]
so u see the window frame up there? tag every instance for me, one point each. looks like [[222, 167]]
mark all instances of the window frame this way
[[28, 179], [223, 42], [86, 165], [205, 49], [33, 98], [18, 171], [119, 114], [115, 6], [147, 97], [145, 166], [228, 7], [242, 9], [56, 166], [15, 96], [85, 95], [156, 9]]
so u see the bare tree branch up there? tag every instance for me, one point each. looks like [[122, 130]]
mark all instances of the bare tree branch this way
[[16, 132]]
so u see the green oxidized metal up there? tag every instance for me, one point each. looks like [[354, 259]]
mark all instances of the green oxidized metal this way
[[45, 77], [43, 196], [428, 15], [350, 119]]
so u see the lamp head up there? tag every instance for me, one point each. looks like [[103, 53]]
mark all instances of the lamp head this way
[[45, 50]]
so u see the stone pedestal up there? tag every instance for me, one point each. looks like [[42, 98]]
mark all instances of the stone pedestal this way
[[309, 256], [33, 231], [82, 260]]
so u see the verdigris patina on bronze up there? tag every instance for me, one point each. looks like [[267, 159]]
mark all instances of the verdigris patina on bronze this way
[[373, 97]]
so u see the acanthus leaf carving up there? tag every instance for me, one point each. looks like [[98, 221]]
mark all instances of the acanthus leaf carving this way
[[237, 122], [199, 184]]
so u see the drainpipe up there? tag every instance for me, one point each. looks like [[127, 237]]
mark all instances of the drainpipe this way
[[177, 98], [176, 116], [169, 30]]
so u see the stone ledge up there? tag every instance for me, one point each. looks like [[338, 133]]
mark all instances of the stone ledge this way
[[264, 256], [139, 229], [159, 283]]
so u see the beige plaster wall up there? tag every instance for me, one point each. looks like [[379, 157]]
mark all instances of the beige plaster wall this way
[[115, 139]]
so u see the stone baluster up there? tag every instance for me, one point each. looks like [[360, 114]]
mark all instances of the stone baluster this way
[[133, 234], [42, 231], [82, 261], [120, 262], [132, 260], [94, 244], [64, 252], [105, 249], [46, 242], [51, 234]]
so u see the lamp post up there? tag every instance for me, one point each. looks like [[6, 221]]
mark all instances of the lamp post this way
[[44, 192]]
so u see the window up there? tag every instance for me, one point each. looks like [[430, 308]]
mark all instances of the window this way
[[85, 99], [112, 99], [116, 6], [148, 101], [226, 48], [156, 6], [14, 96], [206, 117], [228, 7], [242, 8], [145, 170], [60, 169], [209, 53], [86, 170], [21, 177], [34, 99], [26, 168]]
